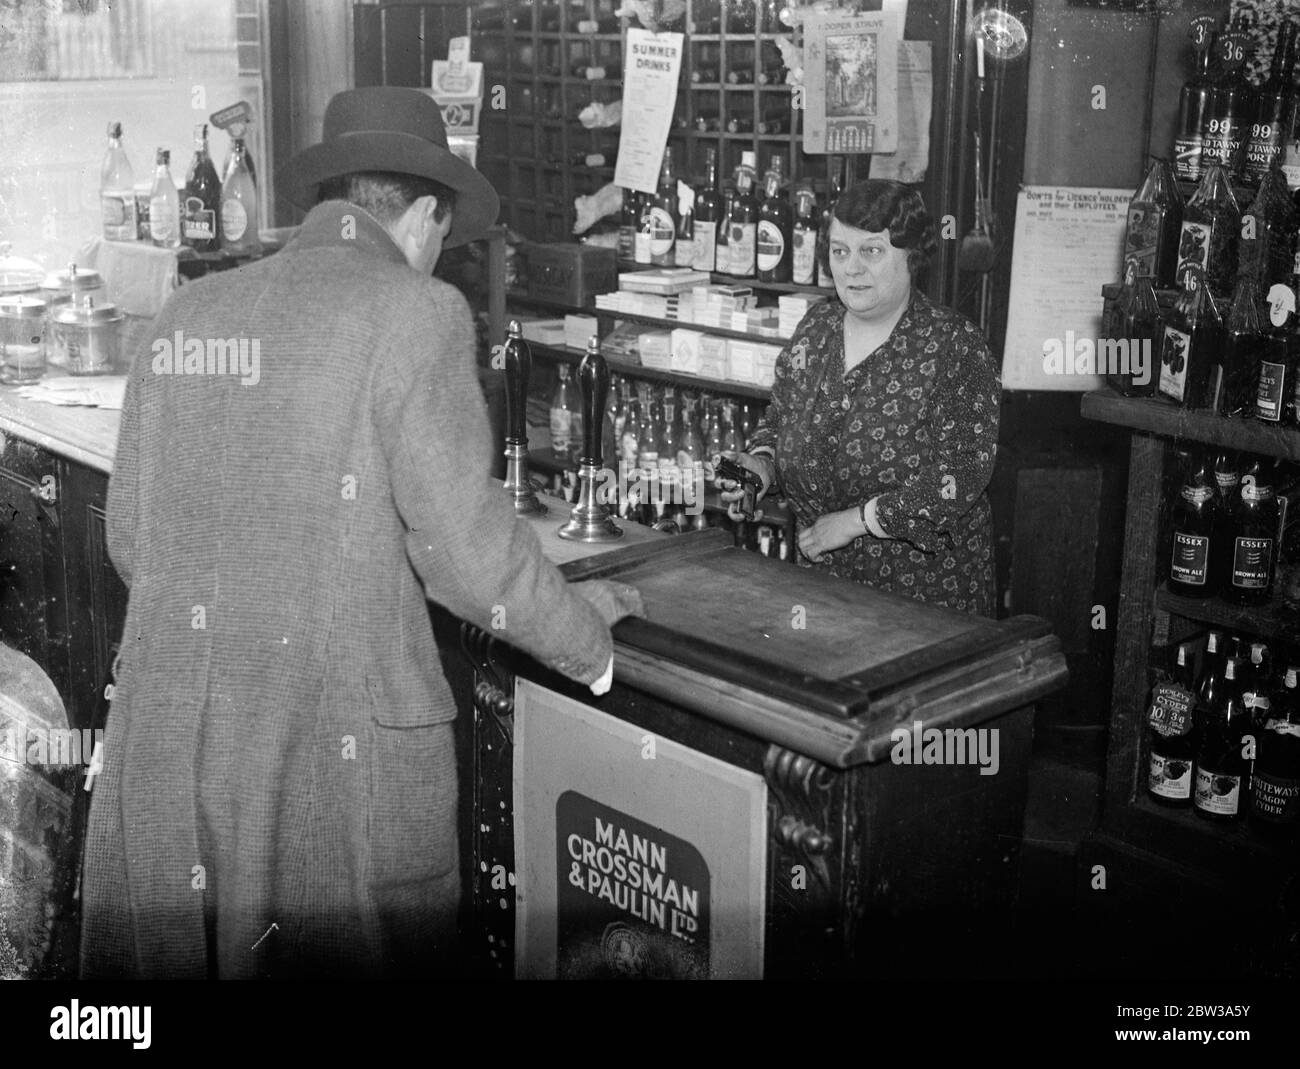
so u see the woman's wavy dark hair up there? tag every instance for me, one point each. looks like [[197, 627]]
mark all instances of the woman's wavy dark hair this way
[[878, 205]]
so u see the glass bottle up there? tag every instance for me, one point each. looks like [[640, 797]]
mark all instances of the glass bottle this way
[[684, 250], [644, 228], [1155, 219], [743, 226], [239, 215], [803, 264], [628, 224], [1227, 476], [775, 237], [1244, 347], [1207, 245], [708, 215], [663, 214], [1249, 547], [1275, 397], [1196, 529], [1257, 684], [1193, 115], [714, 443], [563, 406], [1220, 767], [1270, 120], [1275, 779], [201, 215], [1170, 736], [164, 205], [1190, 368], [117, 190], [824, 229], [1231, 103], [1266, 250]]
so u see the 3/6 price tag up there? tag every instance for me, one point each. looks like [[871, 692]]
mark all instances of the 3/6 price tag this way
[[1232, 49], [1171, 710]]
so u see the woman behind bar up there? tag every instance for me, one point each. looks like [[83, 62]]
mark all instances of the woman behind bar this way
[[883, 422]]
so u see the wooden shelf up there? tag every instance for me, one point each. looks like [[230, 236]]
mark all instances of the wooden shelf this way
[[686, 324], [1156, 416], [719, 279], [1271, 621], [570, 355], [1230, 850]]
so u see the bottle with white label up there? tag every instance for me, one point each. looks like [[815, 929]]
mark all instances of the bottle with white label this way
[[663, 214], [1249, 547], [1171, 740], [775, 238], [1196, 527], [1221, 766], [164, 205], [117, 189], [803, 259], [709, 206], [239, 202], [563, 407], [1275, 780], [742, 230]]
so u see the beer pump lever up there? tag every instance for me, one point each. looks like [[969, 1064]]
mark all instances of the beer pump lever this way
[[518, 365], [589, 521]]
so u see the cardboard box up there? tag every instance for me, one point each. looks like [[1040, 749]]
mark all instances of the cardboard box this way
[[569, 273], [655, 347], [686, 351], [742, 361], [713, 357]]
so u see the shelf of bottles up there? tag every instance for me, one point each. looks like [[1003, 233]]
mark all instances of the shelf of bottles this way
[[557, 61], [660, 441]]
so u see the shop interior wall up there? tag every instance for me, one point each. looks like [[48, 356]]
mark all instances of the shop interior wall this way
[[1062, 479]]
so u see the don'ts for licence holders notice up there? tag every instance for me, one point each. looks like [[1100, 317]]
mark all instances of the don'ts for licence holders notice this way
[[851, 83], [650, 68]]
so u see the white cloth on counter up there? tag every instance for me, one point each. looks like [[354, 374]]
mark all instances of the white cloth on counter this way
[[138, 277], [100, 391]]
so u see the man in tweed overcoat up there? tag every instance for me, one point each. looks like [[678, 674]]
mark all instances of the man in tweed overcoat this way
[[278, 794]]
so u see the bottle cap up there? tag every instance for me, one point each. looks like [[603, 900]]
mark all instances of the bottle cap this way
[[115, 129]]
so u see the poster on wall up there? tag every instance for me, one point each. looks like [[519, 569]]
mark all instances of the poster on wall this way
[[1068, 244], [915, 91], [851, 83], [650, 67], [636, 857]]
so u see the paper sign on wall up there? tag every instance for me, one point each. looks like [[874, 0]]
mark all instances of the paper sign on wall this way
[[851, 83], [650, 68], [1068, 244], [915, 90]]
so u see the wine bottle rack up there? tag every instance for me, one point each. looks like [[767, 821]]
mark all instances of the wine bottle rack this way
[[731, 97]]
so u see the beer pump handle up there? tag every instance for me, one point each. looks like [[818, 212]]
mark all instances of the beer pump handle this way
[[518, 366], [593, 383]]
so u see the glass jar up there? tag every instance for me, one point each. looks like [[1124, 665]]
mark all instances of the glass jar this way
[[22, 338], [18, 275], [87, 337], [74, 284]]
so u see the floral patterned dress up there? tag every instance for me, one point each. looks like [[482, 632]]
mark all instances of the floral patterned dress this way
[[915, 425]]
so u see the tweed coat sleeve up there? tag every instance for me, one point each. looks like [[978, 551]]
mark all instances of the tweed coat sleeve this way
[[123, 501], [486, 566]]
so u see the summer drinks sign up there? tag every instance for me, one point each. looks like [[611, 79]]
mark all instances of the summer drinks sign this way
[[636, 856]]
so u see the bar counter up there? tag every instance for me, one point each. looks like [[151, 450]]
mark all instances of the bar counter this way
[[741, 804]]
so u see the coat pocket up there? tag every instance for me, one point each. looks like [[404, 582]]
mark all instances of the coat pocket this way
[[413, 794]]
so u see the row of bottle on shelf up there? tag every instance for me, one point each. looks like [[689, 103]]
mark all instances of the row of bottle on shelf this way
[[210, 213], [1234, 528], [664, 433], [1234, 357], [603, 61], [731, 231], [1226, 740], [580, 17], [1223, 119]]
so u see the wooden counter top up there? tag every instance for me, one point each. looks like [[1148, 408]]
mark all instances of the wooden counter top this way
[[83, 434]]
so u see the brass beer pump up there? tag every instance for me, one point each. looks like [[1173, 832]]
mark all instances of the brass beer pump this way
[[589, 522], [518, 364]]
